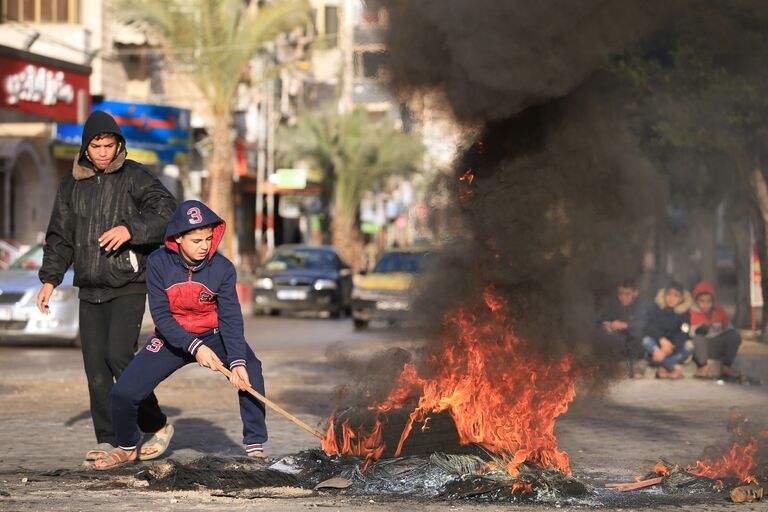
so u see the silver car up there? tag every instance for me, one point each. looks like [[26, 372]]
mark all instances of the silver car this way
[[20, 319]]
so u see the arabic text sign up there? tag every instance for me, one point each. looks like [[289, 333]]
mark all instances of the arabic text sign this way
[[160, 129]]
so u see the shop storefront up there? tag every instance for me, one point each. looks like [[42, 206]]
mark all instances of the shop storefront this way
[[35, 93]]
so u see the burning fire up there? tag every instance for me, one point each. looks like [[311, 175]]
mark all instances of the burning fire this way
[[739, 461], [359, 444], [498, 391], [661, 469]]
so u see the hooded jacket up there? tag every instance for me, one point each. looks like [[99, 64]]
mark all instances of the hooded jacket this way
[[90, 202], [716, 321], [670, 323], [188, 300]]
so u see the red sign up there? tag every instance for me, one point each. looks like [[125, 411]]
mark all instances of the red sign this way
[[44, 87]]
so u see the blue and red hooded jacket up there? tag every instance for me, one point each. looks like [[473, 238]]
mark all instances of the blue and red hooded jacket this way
[[188, 301]]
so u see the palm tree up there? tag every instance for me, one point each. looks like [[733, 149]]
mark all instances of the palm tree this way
[[212, 42], [354, 154]]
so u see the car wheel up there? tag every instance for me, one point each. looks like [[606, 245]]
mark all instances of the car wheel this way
[[360, 324], [273, 312], [337, 312]]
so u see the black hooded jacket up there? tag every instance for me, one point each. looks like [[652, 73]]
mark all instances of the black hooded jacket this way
[[90, 202]]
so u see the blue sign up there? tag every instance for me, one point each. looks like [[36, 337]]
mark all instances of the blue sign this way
[[157, 130]]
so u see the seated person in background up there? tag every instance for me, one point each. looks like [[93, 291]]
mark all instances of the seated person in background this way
[[666, 337], [625, 319], [713, 334]]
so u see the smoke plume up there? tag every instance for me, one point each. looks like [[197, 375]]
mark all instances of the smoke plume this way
[[554, 200]]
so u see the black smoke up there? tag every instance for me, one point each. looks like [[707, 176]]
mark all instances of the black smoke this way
[[561, 199]]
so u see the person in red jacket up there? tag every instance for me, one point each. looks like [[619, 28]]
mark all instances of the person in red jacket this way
[[713, 334]]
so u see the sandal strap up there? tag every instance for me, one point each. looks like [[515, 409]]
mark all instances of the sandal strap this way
[[115, 458]]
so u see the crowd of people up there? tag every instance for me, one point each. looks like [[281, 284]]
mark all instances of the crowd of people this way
[[676, 327]]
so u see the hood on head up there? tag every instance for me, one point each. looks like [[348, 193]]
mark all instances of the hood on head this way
[[704, 287], [98, 122], [680, 308], [191, 215]]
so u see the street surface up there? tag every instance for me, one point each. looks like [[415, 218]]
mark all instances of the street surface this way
[[45, 422]]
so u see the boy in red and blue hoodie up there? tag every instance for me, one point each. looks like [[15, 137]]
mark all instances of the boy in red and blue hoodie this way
[[197, 317], [714, 336]]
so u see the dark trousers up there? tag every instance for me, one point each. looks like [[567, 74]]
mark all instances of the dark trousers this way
[[109, 332], [724, 346], [156, 362]]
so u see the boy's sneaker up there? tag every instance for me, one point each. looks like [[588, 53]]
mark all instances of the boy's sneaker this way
[[255, 450]]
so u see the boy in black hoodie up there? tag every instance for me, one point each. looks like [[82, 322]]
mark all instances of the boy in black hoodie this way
[[110, 212], [667, 340], [625, 318]]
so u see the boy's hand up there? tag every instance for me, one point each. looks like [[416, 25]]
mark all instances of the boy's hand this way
[[112, 240], [618, 325], [239, 378], [207, 358], [43, 297], [667, 346]]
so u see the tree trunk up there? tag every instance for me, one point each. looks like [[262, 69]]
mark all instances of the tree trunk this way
[[760, 192], [737, 218], [741, 239], [347, 239], [219, 195], [706, 244]]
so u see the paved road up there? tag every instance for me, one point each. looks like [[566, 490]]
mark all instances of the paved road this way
[[44, 387], [45, 422]]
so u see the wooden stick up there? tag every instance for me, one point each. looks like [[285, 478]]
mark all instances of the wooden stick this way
[[633, 486], [274, 406]]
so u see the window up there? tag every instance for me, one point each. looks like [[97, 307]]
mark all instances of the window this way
[[41, 11], [373, 64], [331, 24], [409, 262]]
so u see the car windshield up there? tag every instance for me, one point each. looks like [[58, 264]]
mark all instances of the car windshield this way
[[30, 260], [302, 258], [411, 262]]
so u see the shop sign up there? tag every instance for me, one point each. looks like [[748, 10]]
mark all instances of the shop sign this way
[[159, 133], [43, 89]]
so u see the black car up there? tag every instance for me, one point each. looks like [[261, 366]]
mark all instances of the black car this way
[[304, 278]]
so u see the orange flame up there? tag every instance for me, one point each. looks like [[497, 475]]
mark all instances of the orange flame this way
[[499, 393], [354, 442], [737, 462], [523, 487], [661, 469]]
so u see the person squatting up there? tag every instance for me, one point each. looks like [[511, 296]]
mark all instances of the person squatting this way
[[194, 305]]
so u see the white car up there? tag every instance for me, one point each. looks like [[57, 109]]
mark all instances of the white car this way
[[20, 320]]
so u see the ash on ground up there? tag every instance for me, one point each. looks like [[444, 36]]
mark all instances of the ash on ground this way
[[427, 477]]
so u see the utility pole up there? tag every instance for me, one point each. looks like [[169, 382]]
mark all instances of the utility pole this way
[[346, 43], [260, 173], [271, 162]]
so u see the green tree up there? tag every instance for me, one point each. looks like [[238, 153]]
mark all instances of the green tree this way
[[354, 154], [701, 106], [213, 42]]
